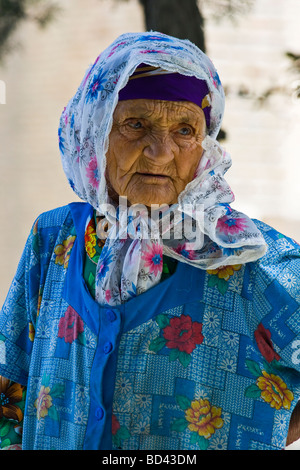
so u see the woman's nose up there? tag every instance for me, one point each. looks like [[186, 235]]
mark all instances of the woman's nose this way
[[160, 149]]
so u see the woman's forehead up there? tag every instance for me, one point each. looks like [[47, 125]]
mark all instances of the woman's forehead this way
[[156, 109]]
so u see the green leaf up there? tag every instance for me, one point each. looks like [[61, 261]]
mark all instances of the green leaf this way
[[179, 425], [123, 433], [212, 280], [91, 278], [199, 441], [202, 443], [5, 443], [46, 380], [273, 367], [184, 358], [35, 244], [222, 286], [253, 367], [268, 368], [183, 402], [157, 344], [252, 391], [194, 438], [96, 258], [57, 391], [53, 414], [116, 440], [173, 355], [81, 338], [162, 321], [4, 428]]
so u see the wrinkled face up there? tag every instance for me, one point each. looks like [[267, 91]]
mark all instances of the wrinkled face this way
[[154, 150]]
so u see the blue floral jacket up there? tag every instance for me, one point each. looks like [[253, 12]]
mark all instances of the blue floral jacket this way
[[203, 360]]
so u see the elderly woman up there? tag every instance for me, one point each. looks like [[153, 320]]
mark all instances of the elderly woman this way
[[152, 315]]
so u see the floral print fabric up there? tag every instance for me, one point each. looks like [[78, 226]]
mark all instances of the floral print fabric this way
[[126, 269], [12, 403], [93, 247], [225, 341]]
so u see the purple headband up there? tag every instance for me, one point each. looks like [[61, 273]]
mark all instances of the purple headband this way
[[155, 84]]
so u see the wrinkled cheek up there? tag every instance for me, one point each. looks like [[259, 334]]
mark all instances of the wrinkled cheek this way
[[180, 184], [187, 164], [112, 174]]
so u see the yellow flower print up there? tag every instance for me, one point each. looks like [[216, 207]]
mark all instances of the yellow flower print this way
[[225, 272], [43, 402], [200, 418], [63, 251], [31, 331], [90, 240], [274, 391], [203, 418]]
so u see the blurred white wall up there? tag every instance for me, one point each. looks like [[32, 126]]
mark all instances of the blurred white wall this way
[[40, 77], [43, 74], [262, 140]]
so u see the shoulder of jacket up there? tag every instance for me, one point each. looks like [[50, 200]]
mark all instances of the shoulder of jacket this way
[[53, 218], [280, 247]]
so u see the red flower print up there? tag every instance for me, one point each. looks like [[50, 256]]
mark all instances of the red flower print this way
[[70, 326], [92, 172], [115, 425], [154, 258], [230, 225], [183, 251], [183, 334], [264, 343]]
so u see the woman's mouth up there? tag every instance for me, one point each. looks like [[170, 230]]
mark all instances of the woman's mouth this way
[[153, 175]]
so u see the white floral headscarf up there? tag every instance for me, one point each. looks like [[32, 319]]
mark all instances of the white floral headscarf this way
[[130, 262]]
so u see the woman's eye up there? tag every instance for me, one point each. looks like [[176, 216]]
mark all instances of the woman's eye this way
[[136, 125], [186, 131]]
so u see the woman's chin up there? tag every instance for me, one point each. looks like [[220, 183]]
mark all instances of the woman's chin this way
[[156, 198]]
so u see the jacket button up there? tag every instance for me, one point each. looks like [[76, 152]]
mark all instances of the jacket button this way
[[99, 413], [111, 316], [107, 347]]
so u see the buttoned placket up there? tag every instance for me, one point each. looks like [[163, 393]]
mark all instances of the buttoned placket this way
[[98, 434], [108, 323]]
